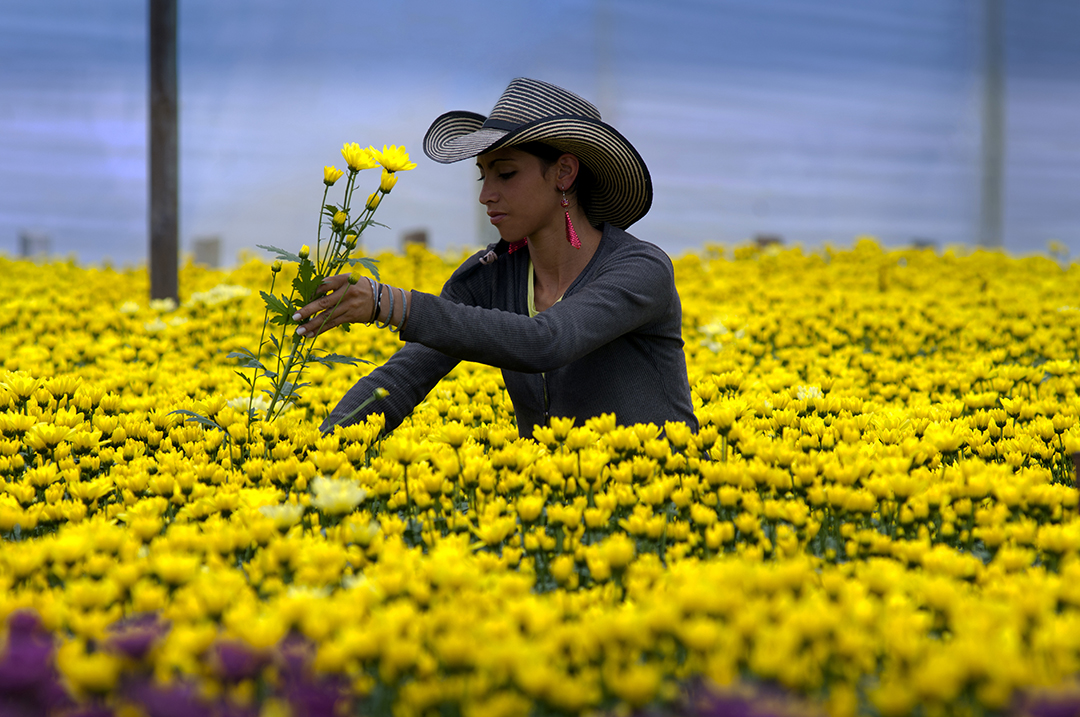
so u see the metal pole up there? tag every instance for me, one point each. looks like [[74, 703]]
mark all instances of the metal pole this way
[[164, 185], [993, 126], [605, 80]]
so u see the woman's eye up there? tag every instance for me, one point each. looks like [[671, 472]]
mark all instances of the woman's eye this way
[[501, 175]]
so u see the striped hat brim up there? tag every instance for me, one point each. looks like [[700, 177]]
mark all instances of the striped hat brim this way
[[623, 190]]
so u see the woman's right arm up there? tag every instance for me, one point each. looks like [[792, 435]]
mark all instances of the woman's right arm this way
[[408, 376], [411, 373]]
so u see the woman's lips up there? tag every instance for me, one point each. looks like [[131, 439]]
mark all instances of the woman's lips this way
[[496, 217]]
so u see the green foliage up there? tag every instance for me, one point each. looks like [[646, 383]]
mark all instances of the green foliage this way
[[279, 376], [307, 281], [280, 253]]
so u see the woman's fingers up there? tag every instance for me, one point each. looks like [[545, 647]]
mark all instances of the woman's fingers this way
[[328, 284], [344, 304]]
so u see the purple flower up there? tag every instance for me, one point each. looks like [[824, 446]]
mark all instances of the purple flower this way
[[741, 700], [317, 696], [136, 635], [1064, 705], [27, 661], [29, 684], [225, 708], [91, 711], [308, 695], [179, 699], [237, 661], [294, 655]]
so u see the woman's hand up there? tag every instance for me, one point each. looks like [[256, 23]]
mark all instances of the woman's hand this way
[[349, 303]]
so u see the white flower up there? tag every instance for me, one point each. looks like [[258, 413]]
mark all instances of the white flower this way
[[240, 403], [300, 592], [155, 325], [219, 294], [805, 392], [166, 304], [715, 330], [129, 307], [360, 534], [336, 496], [285, 515]]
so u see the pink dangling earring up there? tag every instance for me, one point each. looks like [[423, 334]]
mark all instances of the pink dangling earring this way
[[571, 235]]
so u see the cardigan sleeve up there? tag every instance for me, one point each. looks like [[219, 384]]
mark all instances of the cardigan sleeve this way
[[408, 376], [628, 291]]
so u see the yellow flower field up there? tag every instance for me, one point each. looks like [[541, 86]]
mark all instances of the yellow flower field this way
[[877, 516]]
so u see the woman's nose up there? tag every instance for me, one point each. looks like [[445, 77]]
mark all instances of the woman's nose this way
[[487, 195]]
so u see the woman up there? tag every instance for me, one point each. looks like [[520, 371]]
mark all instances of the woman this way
[[581, 317]]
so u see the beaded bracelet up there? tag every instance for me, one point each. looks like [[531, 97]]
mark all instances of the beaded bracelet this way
[[404, 311], [390, 313]]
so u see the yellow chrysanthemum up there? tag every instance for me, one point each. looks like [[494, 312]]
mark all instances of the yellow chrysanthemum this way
[[393, 158], [358, 157], [331, 174]]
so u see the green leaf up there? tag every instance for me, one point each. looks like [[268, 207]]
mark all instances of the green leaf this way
[[281, 253], [192, 416], [249, 360], [375, 396], [276, 305], [306, 281], [281, 309], [243, 376], [331, 359], [288, 390], [368, 263]]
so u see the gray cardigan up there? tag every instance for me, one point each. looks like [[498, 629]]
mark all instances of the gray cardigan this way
[[612, 345]]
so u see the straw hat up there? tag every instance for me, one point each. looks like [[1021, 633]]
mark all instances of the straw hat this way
[[535, 111]]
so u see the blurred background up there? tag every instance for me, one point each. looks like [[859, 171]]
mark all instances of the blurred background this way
[[809, 121]]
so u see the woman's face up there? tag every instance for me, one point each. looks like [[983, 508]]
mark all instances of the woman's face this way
[[520, 196]]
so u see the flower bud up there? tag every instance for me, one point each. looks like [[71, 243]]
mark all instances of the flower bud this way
[[389, 179], [350, 241], [330, 175], [354, 277], [381, 393], [373, 200], [340, 218], [305, 252], [276, 266]]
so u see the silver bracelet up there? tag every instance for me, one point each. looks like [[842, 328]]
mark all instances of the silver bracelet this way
[[404, 311], [374, 303], [390, 313]]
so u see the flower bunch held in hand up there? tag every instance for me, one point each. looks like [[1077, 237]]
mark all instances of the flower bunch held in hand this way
[[337, 236]]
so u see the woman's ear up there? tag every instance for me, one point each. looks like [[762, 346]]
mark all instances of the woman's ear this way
[[567, 170]]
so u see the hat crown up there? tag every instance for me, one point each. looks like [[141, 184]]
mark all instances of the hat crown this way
[[526, 100]]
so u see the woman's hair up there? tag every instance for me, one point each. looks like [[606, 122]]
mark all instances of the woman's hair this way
[[583, 185]]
